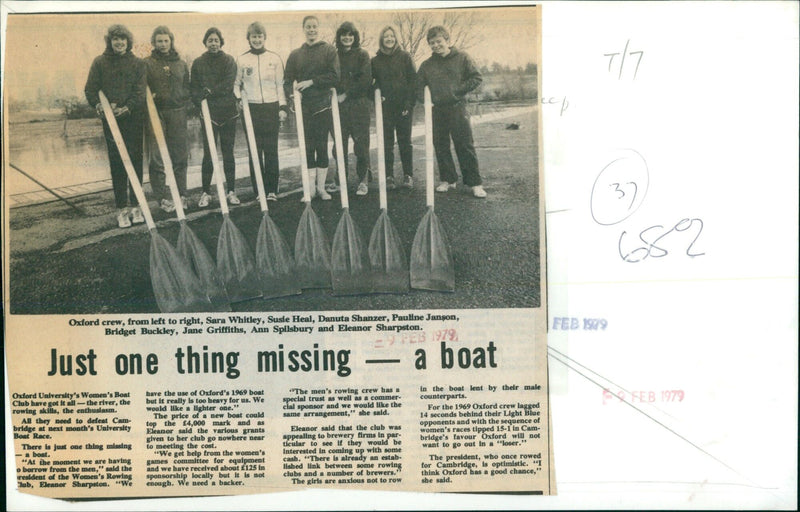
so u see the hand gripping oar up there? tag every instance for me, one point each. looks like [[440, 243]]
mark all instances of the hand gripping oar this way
[[274, 262], [235, 263], [176, 288], [349, 264], [386, 255], [189, 246], [312, 255], [431, 263]]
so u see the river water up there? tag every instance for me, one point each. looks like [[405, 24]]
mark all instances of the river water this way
[[39, 149]]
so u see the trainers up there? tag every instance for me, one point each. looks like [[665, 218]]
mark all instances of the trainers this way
[[362, 189], [272, 196], [205, 200], [478, 191], [444, 186], [167, 205], [123, 220], [408, 182], [390, 183], [232, 199], [332, 188], [136, 215]]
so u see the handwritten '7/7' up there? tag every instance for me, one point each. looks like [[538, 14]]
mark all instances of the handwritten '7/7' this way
[[625, 52]]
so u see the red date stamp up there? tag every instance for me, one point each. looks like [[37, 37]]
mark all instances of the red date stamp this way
[[411, 338], [644, 397]]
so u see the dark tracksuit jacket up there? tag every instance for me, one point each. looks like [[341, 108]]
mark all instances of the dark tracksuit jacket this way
[[317, 62], [213, 75], [168, 79], [395, 76], [355, 82], [122, 80], [450, 78]]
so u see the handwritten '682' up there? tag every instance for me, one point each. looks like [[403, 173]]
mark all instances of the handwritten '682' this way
[[618, 191]]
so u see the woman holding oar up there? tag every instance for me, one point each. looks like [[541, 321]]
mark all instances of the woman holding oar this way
[[260, 77], [168, 78], [315, 69], [121, 76], [395, 76], [353, 93], [213, 76]]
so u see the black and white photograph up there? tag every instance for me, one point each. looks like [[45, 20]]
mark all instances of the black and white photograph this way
[[273, 161]]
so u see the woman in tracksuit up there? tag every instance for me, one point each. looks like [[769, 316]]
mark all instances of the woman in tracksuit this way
[[121, 77], [315, 68], [213, 75], [168, 78], [353, 92], [260, 76], [394, 74]]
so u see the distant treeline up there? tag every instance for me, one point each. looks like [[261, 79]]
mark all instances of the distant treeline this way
[[500, 83]]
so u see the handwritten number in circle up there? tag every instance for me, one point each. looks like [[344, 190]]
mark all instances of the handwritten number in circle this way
[[620, 179]]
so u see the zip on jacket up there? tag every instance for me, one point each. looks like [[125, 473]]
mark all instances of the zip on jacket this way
[[261, 77]]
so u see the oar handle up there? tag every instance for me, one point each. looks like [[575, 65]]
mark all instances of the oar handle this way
[[145, 153], [340, 156], [251, 143], [381, 149], [212, 148], [158, 132], [126, 160], [428, 148], [301, 142]]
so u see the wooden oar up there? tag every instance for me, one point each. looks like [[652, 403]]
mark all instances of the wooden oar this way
[[235, 263], [274, 263], [312, 253], [386, 255], [176, 288], [349, 264], [431, 263], [189, 246]]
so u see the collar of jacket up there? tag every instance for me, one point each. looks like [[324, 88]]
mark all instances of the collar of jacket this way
[[171, 56], [112, 53], [453, 51], [257, 51], [385, 51]]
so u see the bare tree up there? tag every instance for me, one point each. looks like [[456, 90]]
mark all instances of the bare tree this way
[[333, 24], [463, 28], [413, 28]]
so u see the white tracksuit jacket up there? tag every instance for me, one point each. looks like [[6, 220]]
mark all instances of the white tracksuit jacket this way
[[261, 78]]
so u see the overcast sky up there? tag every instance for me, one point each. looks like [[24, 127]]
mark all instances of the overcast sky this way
[[54, 52]]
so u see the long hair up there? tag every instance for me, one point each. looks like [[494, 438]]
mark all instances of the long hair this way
[[118, 30], [348, 28], [163, 30], [388, 28]]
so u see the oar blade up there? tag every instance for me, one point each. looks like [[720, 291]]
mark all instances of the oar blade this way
[[235, 263], [176, 288], [349, 263], [195, 253], [274, 262], [431, 265], [387, 258], [312, 253]]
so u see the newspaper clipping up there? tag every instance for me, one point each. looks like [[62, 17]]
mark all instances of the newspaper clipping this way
[[210, 290]]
